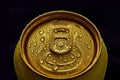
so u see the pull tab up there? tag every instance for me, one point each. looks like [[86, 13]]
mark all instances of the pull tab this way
[[60, 41]]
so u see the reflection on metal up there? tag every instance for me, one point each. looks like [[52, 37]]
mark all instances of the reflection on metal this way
[[61, 45]]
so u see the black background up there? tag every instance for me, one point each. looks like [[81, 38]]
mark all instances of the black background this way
[[105, 15]]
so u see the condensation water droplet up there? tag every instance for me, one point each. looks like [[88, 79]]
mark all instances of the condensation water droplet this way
[[73, 44], [36, 55], [80, 43], [53, 33], [73, 49], [54, 61], [45, 27], [45, 48], [63, 29], [72, 56], [76, 48], [80, 35], [41, 61], [69, 47], [59, 26], [55, 68], [35, 44], [43, 39], [75, 33], [88, 46], [65, 60], [40, 46], [86, 42], [78, 55], [55, 30], [31, 42], [48, 31], [49, 55], [80, 39], [41, 32], [32, 51], [29, 46], [81, 27], [36, 50]]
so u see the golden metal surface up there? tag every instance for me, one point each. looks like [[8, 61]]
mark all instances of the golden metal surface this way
[[60, 45]]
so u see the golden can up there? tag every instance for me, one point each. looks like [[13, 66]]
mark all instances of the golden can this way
[[60, 45]]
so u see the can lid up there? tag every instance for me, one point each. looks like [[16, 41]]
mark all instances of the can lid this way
[[60, 44]]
